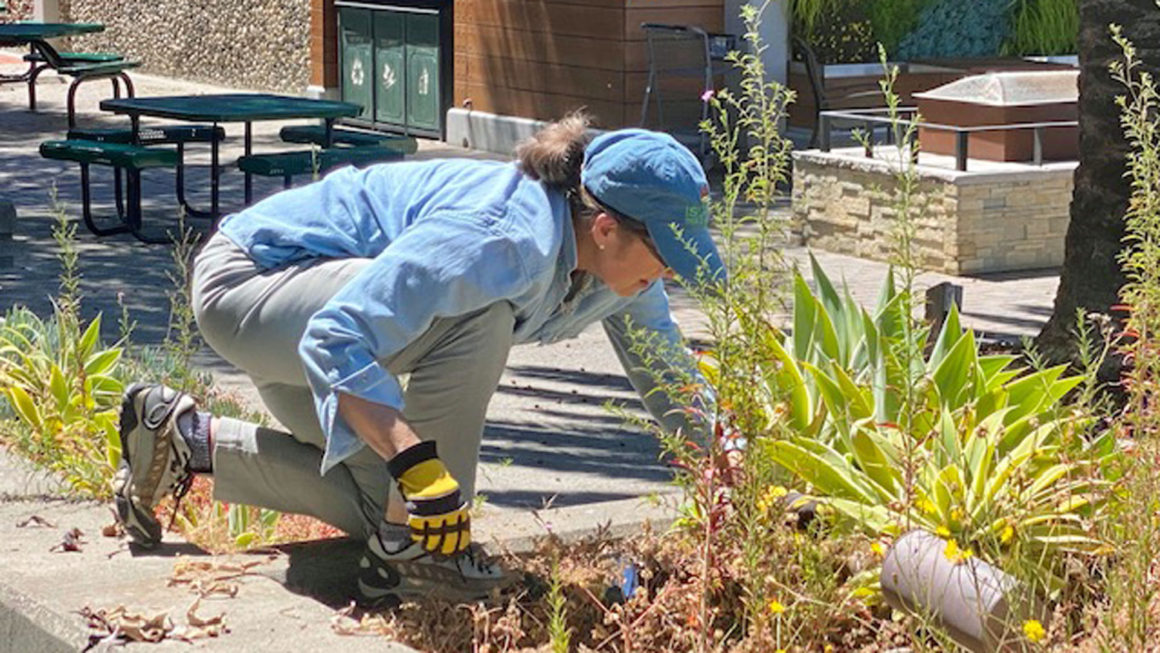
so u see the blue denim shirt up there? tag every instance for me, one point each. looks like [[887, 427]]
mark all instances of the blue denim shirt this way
[[447, 238]]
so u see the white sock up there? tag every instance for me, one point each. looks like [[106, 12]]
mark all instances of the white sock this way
[[394, 537]]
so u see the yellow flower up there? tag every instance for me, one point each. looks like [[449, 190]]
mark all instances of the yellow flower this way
[[828, 649], [776, 607], [770, 497], [1034, 630], [780, 650], [943, 531], [926, 505], [876, 547], [956, 555], [1007, 534]]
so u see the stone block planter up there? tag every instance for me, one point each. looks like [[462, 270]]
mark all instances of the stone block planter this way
[[994, 217]]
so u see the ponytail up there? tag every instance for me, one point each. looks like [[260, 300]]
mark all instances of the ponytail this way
[[555, 154]]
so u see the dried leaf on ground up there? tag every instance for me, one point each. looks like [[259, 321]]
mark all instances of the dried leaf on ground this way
[[71, 542], [343, 623], [114, 529], [121, 623], [208, 577], [35, 520], [200, 628]]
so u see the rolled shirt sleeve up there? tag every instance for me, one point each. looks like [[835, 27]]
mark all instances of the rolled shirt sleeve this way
[[444, 265], [667, 358]]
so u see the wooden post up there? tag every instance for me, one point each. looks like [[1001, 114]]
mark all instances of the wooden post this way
[[7, 227], [939, 299]]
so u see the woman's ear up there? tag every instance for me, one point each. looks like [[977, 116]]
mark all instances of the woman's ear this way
[[604, 228]]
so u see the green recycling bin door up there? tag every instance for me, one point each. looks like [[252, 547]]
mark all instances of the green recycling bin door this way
[[390, 54], [423, 90], [391, 64], [357, 62]]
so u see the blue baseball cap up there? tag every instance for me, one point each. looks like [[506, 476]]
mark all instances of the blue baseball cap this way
[[649, 177]]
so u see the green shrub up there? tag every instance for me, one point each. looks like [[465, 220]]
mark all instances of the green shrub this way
[[1044, 27], [61, 384], [952, 28]]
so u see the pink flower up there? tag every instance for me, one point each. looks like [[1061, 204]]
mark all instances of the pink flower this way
[[707, 95]]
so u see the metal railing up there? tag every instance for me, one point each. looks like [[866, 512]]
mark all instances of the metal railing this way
[[870, 117]]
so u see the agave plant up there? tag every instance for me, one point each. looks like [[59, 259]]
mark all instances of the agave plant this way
[[60, 382], [959, 444]]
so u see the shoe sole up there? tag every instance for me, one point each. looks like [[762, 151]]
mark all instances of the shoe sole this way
[[141, 527], [417, 581]]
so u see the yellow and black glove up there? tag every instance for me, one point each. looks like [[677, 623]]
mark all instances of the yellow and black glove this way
[[435, 512]]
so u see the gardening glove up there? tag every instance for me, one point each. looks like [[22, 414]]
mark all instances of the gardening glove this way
[[435, 512]]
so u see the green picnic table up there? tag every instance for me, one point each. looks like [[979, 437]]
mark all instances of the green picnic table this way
[[80, 66], [245, 108]]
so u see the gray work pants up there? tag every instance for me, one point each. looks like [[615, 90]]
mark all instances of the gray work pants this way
[[255, 318]]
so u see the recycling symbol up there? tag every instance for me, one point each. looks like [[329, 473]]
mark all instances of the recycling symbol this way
[[424, 82], [357, 75], [388, 76]]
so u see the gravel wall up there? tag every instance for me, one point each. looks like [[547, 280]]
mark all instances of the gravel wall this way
[[17, 10], [248, 44]]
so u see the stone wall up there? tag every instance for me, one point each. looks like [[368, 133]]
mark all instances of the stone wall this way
[[18, 10], [246, 44], [1002, 217]]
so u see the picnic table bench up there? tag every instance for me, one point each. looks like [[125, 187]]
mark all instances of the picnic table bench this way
[[141, 147], [80, 66], [120, 156]]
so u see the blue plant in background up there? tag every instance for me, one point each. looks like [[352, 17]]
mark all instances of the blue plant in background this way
[[954, 28]]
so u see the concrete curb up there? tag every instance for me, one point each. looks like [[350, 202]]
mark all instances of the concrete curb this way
[[42, 591], [26, 625]]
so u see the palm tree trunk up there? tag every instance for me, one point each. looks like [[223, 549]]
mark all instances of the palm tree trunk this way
[[1091, 276]]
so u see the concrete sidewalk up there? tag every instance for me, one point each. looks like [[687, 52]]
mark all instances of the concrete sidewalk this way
[[548, 439]]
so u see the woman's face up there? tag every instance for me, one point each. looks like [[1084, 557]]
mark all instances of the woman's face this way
[[626, 261]]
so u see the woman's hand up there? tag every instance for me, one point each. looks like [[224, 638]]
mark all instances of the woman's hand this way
[[436, 512], [437, 515]]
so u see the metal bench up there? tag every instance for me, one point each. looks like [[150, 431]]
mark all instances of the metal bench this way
[[120, 156], [289, 164], [113, 71], [38, 63], [178, 135], [316, 134]]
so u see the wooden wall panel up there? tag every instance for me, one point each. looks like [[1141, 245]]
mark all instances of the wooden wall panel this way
[[323, 43], [710, 18], [548, 17], [538, 46], [674, 87], [538, 106], [543, 58], [474, 68]]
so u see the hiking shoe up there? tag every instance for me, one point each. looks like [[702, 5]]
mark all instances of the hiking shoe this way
[[386, 579], [154, 458]]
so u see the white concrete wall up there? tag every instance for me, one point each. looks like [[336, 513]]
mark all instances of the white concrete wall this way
[[47, 11], [774, 33]]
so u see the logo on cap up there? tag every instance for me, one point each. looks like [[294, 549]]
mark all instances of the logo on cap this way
[[697, 215]]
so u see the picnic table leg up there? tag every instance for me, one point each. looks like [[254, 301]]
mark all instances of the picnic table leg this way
[[87, 208], [214, 177], [133, 219], [328, 134], [179, 186], [249, 146]]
